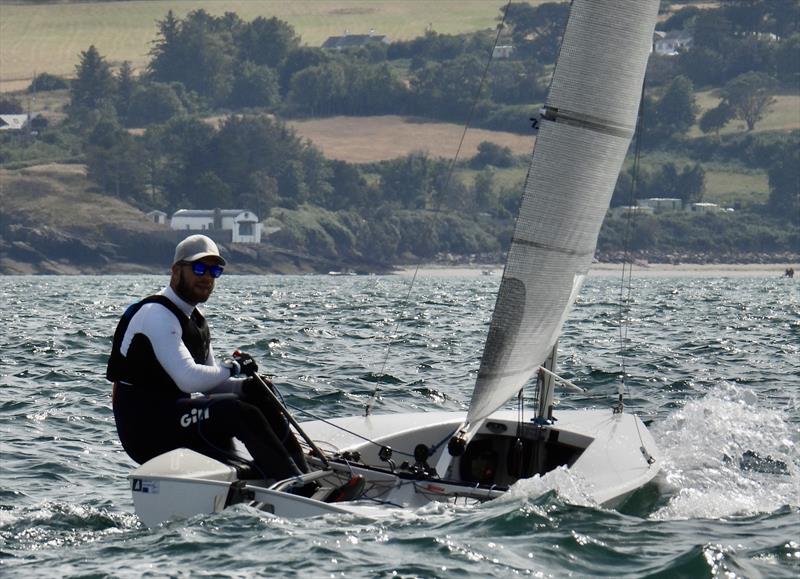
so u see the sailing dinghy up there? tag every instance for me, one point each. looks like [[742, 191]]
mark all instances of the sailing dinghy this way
[[409, 460]]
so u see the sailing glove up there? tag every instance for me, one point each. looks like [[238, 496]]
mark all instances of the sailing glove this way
[[247, 364]]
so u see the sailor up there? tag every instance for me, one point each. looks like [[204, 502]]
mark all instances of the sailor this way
[[162, 355]]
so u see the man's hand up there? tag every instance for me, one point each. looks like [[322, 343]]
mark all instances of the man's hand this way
[[233, 366], [246, 363]]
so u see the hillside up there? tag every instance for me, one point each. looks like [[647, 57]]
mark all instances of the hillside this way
[[347, 154], [50, 36], [52, 223]]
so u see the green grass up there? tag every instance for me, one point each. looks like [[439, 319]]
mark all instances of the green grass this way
[[504, 178], [728, 187], [783, 115], [38, 38], [726, 183]]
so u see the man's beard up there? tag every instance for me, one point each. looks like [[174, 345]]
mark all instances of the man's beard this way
[[185, 291]]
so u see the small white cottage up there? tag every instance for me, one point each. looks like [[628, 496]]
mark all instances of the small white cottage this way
[[243, 225], [157, 216]]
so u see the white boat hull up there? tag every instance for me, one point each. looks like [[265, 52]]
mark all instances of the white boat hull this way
[[612, 454]]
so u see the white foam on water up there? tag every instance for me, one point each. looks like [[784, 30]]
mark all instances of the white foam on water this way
[[727, 455], [569, 486]]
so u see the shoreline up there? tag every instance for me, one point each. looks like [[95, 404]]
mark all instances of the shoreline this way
[[598, 269], [775, 270]]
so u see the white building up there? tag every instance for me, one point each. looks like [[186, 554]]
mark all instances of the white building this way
[[157, 216], [243, 225], [658, 204], [704, 208], [672, 43], [503, 51], [13, 122]]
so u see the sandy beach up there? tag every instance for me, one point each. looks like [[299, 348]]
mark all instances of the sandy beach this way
[[615, 269]]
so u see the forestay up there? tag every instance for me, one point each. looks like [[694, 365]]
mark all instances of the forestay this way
[[584, 133]]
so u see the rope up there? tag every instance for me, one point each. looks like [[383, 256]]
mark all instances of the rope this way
[[450, 172], [350, 432], [627, 263]]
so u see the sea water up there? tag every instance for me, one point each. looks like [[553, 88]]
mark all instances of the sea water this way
[[712, 364]]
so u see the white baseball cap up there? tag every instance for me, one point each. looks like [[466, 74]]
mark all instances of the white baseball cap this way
[[196, 247]]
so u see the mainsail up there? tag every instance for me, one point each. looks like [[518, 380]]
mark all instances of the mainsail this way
[[585, 129]]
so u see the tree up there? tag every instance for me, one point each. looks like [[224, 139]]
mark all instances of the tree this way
[[254, 86], [349, 187], [46, 81], [210, 192], [153, 102], [198, 52], [93, 86], [266, 41], [10, 106], [483, 189], [676, 110], [787, 60], [115, 160], [262, 195], [750, 53], [537, 31], [492, 154], [692, 183], [702, 65], [448, 89], [126, 84], [713, 120], [319, 90], [713, 31], [784, 185], [178, 147], [406, 181], [515, 82], [297, 60], [749, 97]]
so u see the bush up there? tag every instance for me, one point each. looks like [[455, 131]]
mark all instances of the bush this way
[[45, 81], [491, 154], [153, 103], [10, 106]]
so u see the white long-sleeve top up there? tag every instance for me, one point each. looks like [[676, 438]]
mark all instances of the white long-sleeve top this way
[[163, 329]]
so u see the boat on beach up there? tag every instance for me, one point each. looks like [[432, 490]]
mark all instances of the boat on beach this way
[[368, 465]]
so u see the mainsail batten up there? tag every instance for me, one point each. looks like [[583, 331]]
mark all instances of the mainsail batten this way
[[585, 131]]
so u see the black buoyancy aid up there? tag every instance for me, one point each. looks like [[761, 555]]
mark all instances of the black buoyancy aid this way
[[140, 366]]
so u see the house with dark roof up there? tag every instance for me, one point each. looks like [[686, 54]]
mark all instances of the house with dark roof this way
[[348, 40]]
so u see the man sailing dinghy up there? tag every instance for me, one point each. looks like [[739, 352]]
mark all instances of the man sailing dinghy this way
[[585, 129]]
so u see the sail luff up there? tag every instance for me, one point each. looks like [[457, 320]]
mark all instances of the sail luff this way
[[589, 119]]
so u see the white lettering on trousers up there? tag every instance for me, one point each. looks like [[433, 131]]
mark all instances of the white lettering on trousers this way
[[194, 416]]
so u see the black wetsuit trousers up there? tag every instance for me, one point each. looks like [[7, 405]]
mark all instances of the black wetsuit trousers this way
[[148, 427]]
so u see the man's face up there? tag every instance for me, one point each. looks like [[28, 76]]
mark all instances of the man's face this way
[[193, 288]]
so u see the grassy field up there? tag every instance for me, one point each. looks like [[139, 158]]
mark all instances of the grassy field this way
[[38, 38], [367, 139], [783, 115], [58, 195]]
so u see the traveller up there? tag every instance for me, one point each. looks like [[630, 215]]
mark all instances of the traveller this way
[[162, 354]]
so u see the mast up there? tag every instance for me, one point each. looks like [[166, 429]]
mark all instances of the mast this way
[[546, 388]]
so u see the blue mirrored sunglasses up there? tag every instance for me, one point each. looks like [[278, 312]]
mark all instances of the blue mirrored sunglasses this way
[[199, 269]]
